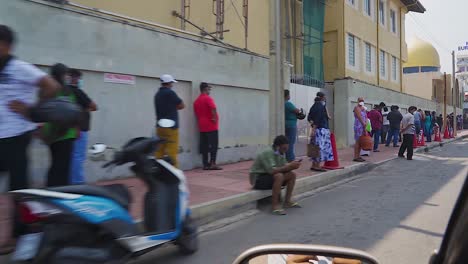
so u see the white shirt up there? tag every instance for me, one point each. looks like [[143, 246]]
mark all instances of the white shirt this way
[[385, 120], [18, 81]]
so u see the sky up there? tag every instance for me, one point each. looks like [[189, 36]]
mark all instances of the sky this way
[[441, 25]]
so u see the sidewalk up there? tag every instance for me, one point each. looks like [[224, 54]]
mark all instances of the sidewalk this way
[[210, 186], [206, 186]]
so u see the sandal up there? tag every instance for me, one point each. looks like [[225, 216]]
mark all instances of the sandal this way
[[319, 170], [279, 212], [292, 205], [214, 167], [359, 160]]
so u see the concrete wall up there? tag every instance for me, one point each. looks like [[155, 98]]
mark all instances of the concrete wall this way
[[347, 91], [420, 84], [97, 45]]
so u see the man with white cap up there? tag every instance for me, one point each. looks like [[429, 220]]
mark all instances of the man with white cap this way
[[167, 104]]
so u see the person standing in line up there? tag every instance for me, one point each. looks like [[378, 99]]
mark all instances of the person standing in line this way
[[360, 122], [290, 115], [376, 120], [394, 118], [408, 131], [20, 83], [440, 122], [321, 133], [167, 104], [428, 126], [208, 124], [386, 124], [418, 120], [80, 146], [59, 139], [322, 95]]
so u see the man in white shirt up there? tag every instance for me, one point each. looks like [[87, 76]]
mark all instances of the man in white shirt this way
[[408, 130], [19, 84]]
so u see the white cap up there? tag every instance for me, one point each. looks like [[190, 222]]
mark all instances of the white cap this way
[[166, 78]]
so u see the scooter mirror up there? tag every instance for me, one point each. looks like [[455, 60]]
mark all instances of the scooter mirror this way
[[97, 149], [98, 152], [166, 123]]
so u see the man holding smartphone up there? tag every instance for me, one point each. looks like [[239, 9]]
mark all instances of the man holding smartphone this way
[[271, 171]]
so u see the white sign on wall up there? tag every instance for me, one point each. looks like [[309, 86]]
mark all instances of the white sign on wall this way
[[119, 78]]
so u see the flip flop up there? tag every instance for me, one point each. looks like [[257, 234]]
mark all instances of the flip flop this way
[[279, 212], [292, 205], [359, 160], [319, 170]]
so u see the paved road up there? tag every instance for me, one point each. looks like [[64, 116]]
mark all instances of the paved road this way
[[397, 212]]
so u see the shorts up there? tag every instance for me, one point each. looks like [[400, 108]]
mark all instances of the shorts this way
[[264, 182]]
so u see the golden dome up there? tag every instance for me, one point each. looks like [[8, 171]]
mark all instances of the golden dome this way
[[421, 53]]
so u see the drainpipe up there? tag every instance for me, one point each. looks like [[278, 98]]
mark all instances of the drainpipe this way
[[378, 41], [401, 50]]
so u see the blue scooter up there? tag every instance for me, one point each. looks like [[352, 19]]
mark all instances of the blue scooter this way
[[91, 224]]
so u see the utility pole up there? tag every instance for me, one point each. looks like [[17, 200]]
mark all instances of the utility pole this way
[[454, 95], [276, 72], [444, 125]]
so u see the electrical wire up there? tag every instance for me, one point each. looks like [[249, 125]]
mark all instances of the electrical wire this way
[[237, 12]]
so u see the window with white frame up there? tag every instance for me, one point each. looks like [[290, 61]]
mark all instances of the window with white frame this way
[[352, 44], [395, 69], [383, 64], [368, 8], [382, 12], [368, 57], [393, 21]]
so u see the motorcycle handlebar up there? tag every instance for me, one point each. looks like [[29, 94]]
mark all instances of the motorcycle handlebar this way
[[134, 150]]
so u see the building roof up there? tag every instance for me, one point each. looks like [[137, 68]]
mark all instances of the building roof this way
[[422, 54], [414, 6]]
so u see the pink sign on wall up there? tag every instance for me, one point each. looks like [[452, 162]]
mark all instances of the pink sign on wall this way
[[119, 78]]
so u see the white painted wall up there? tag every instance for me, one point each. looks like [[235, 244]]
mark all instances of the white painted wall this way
[[97, 45]]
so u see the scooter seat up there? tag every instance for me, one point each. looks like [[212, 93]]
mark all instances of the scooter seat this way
[[117, 192]]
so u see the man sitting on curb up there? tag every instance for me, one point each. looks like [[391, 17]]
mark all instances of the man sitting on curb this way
[[271, 171]]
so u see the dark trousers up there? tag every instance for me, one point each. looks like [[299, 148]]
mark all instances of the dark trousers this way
[[14, 159], [209, 146], [376, 134], [407, 145], [393, 133], [59, 172], [291, 134]]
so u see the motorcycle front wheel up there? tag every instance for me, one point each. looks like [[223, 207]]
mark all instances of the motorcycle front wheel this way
[[188, 240]]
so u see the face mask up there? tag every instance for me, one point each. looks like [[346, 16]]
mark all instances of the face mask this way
[[80, 83], [361, 103]]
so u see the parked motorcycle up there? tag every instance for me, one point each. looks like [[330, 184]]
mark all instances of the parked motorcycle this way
[[92, 224]]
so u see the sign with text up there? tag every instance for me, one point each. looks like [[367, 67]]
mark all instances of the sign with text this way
[[119, 78], [464, 47]]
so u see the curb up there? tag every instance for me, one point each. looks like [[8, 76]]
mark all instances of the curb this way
[[227, 207]]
